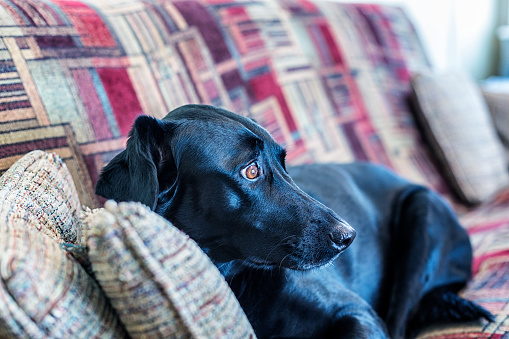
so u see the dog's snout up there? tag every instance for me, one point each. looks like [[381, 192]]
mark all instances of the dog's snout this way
[[342, 238]]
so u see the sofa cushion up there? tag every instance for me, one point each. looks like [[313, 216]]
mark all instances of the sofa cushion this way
[[158, 279], [38, 190], [498, 103], [457, 124], [44, 292]]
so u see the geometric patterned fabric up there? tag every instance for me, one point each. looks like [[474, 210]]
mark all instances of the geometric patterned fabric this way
[[75, 74]]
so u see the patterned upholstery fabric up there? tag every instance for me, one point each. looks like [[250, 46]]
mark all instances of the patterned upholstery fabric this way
[[328, 80], [457, 122], [43, 291], [158, 279]]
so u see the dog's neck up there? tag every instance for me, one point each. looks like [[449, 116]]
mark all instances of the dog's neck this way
[[230, 269], [236, 267]]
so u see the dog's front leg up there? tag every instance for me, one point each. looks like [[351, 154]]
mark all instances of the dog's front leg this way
[[358, 324], [313, 304], [355, 324], [355, 318], [348, 315]]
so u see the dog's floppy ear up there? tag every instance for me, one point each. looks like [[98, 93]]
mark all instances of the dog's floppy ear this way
[[133, 175]]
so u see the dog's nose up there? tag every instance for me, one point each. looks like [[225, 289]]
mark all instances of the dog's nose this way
[[342, 238]]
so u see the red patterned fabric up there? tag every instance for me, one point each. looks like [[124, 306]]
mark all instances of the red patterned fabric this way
[[296, 67]]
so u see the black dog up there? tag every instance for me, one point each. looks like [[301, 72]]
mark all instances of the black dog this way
[[221, 178]]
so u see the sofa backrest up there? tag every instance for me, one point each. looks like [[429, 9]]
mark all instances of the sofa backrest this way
[[330, 81]]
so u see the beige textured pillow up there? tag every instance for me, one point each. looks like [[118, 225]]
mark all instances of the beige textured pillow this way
[[159, 281], [38, 190], [44, 292], [498, 103], [458, 126]]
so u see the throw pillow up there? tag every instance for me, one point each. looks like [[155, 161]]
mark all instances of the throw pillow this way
[[457, 125], [498, 103], [158, 279], [44, 292], [38, 190]]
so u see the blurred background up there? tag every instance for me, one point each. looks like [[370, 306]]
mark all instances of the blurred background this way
[[466, 35]]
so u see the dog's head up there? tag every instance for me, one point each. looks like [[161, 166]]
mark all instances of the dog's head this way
[[221, 178]]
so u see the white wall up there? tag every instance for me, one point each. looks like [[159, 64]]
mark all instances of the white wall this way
[[457, 34]]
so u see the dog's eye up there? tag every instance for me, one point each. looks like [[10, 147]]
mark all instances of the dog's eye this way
[[251, 172]]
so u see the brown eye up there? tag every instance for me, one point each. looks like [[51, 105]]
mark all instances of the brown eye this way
[[251, 172]]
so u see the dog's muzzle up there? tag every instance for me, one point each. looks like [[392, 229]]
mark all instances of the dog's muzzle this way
[[319, 246]]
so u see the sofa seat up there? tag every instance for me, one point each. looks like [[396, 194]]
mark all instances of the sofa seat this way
[[488, 227]]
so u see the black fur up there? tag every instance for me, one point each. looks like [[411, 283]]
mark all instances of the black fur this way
[[276, 242], [442, 306]]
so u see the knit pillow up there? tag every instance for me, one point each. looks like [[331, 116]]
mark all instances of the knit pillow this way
[[39, 191], [498, 103], [44, 292], [457, 124], [158, 279]]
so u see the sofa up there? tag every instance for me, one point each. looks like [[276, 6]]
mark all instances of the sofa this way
[[332, 82]]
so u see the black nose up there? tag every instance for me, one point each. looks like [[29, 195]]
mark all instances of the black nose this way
[[342, 238]]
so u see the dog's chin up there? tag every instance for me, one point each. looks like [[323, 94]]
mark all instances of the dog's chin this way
[[304, 266], [260, 263], [295, 264], [230, 268]]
